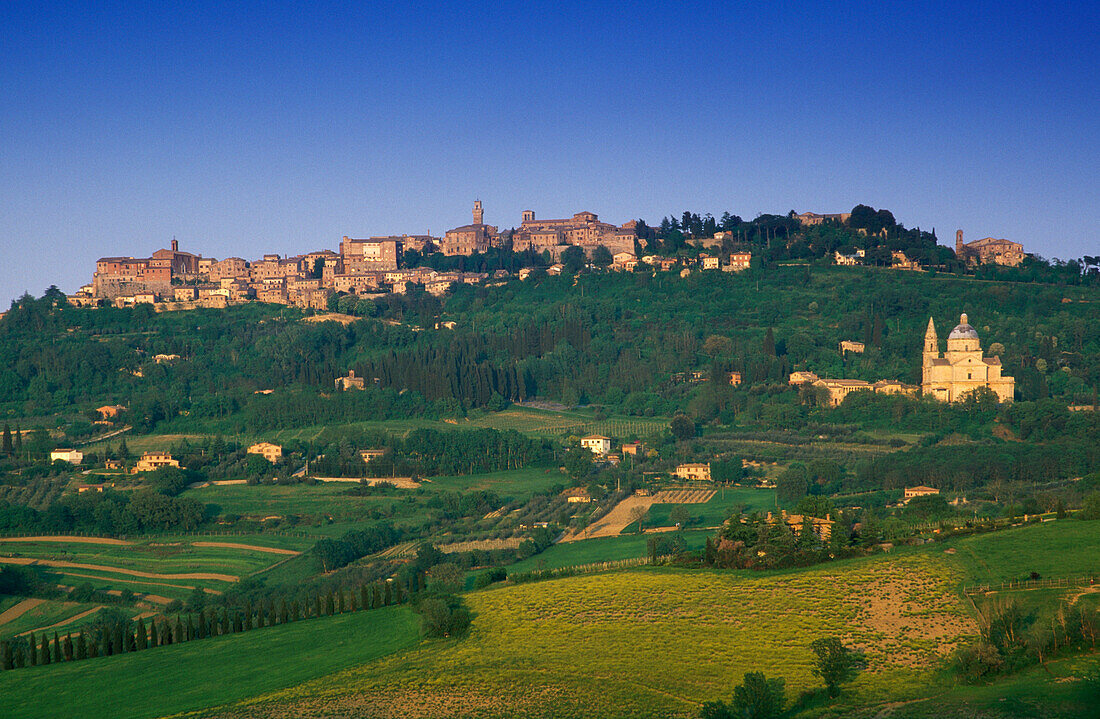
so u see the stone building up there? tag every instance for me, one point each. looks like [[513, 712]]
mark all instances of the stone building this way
[[962, 368], [370, 255], [989, 250], [583, 230], [468, 239], [812, 218], [271, 452]]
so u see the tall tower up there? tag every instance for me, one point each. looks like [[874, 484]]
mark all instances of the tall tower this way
[[479, 214], [958, 242], [931, 351]]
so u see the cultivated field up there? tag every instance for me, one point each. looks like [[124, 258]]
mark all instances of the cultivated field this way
[[164, 567]]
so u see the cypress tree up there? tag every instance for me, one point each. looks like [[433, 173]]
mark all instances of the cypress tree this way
[[142, 637], [364, 596], [93, 647], [44, 652], [33, 649], [67, 648], [375, 597], [316, 605], [189, 631], [282, 611], [177, 632], [295, 610], [6, 445], [237, 625], [56, 658], [261, 619], [248, 616], [18, 441], [340, 601], [329, 605], [81, 646], [387, 594], [153, 639], [5, 656], [20, 657]]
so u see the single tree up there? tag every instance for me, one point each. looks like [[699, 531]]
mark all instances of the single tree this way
[[758, 697], [835, 663], [6, 447]]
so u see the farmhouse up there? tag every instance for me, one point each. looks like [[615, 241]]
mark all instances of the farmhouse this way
[[633, 448], [596, 443], [802, 377], [919, 491], [577, 496], [850, 346], [72, 456], [152, 461], [693, 472], [823, 528], [349, 382], [368, 455], [110, 410], [271, 452]]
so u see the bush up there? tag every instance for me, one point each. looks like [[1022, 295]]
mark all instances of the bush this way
[[1091, 508], [976, 663]]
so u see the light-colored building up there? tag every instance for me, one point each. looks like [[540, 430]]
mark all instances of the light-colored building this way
[[577, 496], [370, 255], [838, 389], [989, 250], [596, 443], [822, 528], [369, 455], [271, 452], [110, 410], [849, 346], [735, 378], [349, 382], [633, 448], [919, 491], [152, 461], [695, 472], [709, 263], [962, 368], [802, 377], [845, 260], [72, 456]]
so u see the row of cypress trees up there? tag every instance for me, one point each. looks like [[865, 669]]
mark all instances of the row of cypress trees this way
[[106, 640]]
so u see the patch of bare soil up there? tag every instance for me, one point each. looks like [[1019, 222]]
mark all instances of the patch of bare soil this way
[[117, 570], [253, 547], [78, 540]]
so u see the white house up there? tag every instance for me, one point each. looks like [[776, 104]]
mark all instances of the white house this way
[[72, 456], [596, 443]]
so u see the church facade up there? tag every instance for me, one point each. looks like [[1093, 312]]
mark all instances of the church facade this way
[[962, 368]]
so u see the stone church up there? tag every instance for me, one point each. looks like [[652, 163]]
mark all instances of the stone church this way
[[962, 368]]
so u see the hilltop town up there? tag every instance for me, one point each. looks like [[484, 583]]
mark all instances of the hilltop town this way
[[175, 279]]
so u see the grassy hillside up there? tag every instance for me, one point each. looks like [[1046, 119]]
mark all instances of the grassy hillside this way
[[194, 675], [655, 643]]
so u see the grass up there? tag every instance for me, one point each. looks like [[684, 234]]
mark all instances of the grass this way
[[157, 555], [47, 613], [191, 676], [517, 484], [651, 642], [1064, 548], [603, 549]]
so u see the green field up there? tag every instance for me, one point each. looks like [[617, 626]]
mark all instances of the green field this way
[[592, 645], [113, 566], [517, 484], [646, 642], [194, 675], [714, 511], [47, 613], [1064, 548], [603, 549]]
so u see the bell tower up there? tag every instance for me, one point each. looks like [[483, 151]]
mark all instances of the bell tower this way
[[931, 351], [479, 214]]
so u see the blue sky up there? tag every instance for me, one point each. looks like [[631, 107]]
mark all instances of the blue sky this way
[[244, 128]]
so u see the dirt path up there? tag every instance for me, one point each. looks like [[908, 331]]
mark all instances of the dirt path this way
[[399, 482], [75, 540], [614, 521], [19, 610], [70, 620], [234, 545], [116, 570]]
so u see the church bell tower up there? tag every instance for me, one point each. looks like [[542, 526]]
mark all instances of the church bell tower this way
[[479, 214]]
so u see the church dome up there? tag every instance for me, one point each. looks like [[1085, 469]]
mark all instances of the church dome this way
[[963, 331]]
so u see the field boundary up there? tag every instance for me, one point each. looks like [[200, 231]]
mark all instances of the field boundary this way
[[1026, 584]]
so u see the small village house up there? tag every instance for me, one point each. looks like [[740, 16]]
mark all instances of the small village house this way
[[597, 444], [271, 452]]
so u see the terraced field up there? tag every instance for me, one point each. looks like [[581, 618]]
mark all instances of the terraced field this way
[[168, 567]]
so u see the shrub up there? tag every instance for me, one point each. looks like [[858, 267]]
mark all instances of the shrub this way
[[443, 616]]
